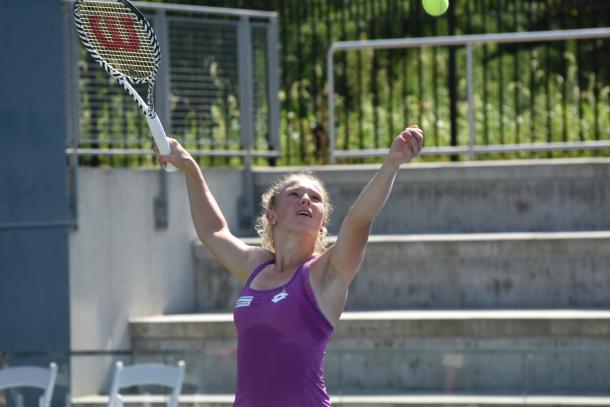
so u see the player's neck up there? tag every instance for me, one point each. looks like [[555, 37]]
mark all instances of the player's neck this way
[[292, 251]]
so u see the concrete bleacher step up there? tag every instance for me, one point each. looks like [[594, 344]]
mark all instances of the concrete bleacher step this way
[[396, 327], [475, 196], [415, 351], [493, 270], [484, 284], [388, 400]]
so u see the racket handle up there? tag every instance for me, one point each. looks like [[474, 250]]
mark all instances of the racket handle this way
[[156, 129]]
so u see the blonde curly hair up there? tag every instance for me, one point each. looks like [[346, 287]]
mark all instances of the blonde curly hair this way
[[265, 229]]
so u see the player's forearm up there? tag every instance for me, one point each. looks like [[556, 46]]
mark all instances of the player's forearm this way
[[205, 212], [374, 196]]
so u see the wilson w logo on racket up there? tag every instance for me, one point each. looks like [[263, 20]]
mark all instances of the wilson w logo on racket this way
[[119, 38], [110, 32]]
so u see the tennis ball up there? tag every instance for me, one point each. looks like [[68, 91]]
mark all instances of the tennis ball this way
[[435, 7]]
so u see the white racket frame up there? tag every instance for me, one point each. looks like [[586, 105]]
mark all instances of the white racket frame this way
[[154, 124]]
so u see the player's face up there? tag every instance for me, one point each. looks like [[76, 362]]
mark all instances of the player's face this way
[[300, 205]]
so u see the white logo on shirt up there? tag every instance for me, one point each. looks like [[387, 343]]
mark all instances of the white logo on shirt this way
[[244, 301], [279, 297]]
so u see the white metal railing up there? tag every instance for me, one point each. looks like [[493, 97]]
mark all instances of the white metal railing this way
[[168, 19], [467, 41], [242, 39]]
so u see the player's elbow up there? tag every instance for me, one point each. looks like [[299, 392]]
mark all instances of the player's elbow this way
[[210, 235]]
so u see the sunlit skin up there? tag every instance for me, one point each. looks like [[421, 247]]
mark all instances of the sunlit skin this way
[[297, 218], [299, 209], [295, 233]]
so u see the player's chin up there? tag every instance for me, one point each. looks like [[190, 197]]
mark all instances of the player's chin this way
[[304, 222], [306, 225]]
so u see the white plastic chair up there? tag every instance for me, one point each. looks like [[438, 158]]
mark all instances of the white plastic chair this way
[[146, 374], [30, 376]]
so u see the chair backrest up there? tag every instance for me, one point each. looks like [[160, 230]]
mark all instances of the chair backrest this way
[[30, 376], [146, 374]]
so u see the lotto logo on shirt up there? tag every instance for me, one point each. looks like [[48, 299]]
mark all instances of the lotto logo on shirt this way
[[244, 301], [279, 297]]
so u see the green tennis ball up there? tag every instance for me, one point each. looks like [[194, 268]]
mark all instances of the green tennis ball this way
[[435, 7]]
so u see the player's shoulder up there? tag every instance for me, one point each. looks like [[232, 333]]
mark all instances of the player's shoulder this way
[[256, 257]]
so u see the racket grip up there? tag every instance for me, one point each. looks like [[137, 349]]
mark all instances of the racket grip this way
[[156, 129]]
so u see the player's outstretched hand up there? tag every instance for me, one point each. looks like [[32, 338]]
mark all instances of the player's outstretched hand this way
[[406, 146], [178, 157]]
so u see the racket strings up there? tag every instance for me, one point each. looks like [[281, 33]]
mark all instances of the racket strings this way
[[120, 38]]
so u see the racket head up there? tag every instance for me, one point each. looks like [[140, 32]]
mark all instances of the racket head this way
[[119, 38]]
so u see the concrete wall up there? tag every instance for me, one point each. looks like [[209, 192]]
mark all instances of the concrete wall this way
[[376, 352], [478, 197], [510, 270], [122, 267], [490, 270]]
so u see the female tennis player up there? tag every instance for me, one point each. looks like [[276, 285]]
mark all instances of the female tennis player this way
[[295, 288]]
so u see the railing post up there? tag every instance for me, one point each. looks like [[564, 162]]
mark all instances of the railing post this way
[[162, 87], [331, 104], [470, 89], [274, 82], [246, 119]]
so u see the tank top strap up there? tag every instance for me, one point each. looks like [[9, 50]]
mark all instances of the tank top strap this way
[[303, 269], [257, 270], [303, 275]]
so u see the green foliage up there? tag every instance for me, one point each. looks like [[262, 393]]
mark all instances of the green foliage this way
[[524, 93]]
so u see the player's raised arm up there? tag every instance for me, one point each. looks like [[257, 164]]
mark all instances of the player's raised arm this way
[[210, 223], [347, 254]]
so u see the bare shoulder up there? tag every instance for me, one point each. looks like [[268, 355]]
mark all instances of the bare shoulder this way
[[256, 256]]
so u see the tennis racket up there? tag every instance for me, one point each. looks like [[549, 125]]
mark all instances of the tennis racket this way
[[119, 38]]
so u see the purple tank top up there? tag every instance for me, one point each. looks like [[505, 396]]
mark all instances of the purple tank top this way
[[281, 341]]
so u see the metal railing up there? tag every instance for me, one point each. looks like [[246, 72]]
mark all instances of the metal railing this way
[[217, 87], [216, 91], [467, 41]]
